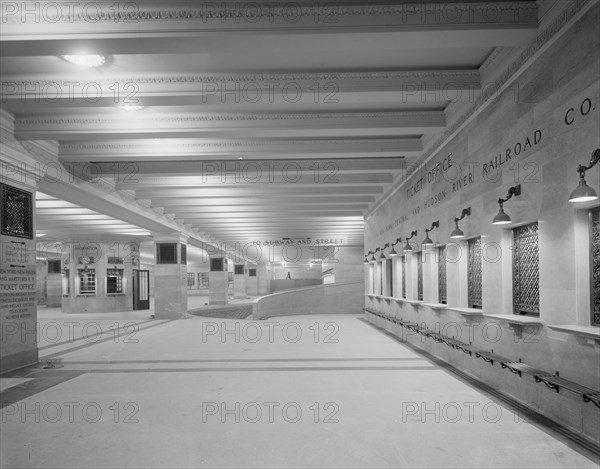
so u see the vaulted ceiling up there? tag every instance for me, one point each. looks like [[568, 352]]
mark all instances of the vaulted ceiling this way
[[258, 120]]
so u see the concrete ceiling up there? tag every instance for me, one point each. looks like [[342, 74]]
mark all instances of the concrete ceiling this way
[[288, 120]]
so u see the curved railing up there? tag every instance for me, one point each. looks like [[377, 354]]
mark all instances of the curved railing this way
[[342, 298]]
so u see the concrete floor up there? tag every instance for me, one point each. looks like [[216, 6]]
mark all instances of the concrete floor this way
[[305, 391]]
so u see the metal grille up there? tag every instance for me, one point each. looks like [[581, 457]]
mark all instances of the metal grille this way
[[114, 260], [183, 254], [403, 276], [442, 288], [54, 267], [191, 277], [114, 281], [474, 274], [216, 264], [87, 281], [238, 269], [166, 253], [390, 276], [526, 272], [595, 256], [420, 276], [16, 212], [251, 272]]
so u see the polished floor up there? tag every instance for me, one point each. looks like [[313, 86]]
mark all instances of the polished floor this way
[[306, 391]]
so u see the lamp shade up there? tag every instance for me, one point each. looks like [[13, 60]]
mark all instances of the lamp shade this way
[[457, 232], [393, 252], [583, 193], [501, 218], [427, 242], [407, 247]]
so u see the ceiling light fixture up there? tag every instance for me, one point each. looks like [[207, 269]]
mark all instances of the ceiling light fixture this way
[[583, 192], [90, 60], [131, 107]]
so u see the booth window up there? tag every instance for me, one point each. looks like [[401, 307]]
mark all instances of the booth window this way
[[595, 259], [190, 279], [251, 272], [239, 269], [114, 281], [526, 271], [420, 276], [474, 275], [87, 281], [203, 279], [442, 286], [403, 259]]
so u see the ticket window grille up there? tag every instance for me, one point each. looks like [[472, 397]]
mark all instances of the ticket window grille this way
[[595, 267], [87, 281], [403, 276], [526, 273], [420, 276], [442, 284], [114, 281], [390, 276], [474, 274]]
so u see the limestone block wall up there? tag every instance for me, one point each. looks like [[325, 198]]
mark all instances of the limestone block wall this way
[[534, 133]]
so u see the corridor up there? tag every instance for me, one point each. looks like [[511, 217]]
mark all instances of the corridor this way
[[304, 391]]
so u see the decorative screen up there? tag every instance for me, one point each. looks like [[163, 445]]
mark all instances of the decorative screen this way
[[474, 277], [526, 272], [420, 276], [442, 285], [595, 256], [166, 253], [403, 276], [16, 212]]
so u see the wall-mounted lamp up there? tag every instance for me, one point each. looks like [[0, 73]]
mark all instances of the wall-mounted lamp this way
[[457, 232], [407, 246], [393, 252], [427, 243], [583, 192], [65, 269], [382, 256], [502, 218]]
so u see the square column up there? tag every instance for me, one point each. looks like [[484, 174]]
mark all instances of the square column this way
[[170, 277], [239, 281], [218, 281], [18, 275], [252, 281]]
